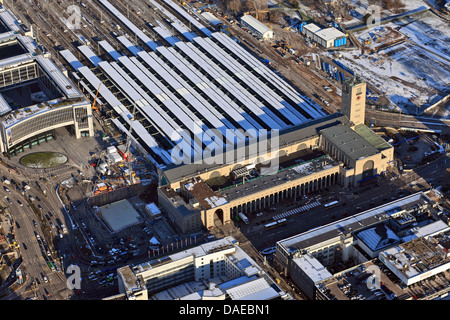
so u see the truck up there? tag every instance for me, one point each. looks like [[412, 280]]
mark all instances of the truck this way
[[243, 217]]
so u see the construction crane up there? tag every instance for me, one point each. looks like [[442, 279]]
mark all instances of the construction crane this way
[[95, 99], [127, 149]]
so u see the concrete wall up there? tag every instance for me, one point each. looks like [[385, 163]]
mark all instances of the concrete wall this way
[[116, 195]]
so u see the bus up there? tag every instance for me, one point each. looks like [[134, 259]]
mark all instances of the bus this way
[[330, 204], [270, 225], [275, 223]]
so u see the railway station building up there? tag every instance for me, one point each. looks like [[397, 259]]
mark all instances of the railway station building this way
[[327, 151], [199, 83]]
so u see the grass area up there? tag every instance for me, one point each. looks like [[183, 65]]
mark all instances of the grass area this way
[[42, 160]]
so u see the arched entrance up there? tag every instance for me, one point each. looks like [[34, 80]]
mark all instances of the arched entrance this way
[[218, 217], [368, 169]]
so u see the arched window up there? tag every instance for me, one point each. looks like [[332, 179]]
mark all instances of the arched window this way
[[368, 169]]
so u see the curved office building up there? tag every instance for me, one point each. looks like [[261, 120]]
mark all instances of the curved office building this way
[[36, 97]]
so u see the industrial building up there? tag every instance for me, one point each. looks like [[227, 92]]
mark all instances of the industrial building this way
[[217, 270], [254, 25], [310, 29], [327, 37], [320, 255], [36, 97]]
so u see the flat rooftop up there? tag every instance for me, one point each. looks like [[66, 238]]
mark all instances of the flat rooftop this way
[[24, 113], [9, 23], [419, 256], [350, 224], [349, 284], [312, 27], [349, 141], [313, 268], [329, 34], [12, 62], [204, 194], [296, 134], [371, 137], [283, 176], [119, 215], [251, 284]]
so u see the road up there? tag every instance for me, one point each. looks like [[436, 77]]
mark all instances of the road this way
[[351, 202], [35, 253]]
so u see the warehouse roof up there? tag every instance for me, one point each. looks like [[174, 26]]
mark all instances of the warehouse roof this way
[[312, 27], [255, 24], [329, 34]]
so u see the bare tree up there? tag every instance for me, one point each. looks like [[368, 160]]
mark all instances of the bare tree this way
[[234, 6], [394, 5], [275, 16], [397, 5], [256, 6]]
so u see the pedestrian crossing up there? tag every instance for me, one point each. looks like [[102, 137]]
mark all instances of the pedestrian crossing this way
[[297, 210]]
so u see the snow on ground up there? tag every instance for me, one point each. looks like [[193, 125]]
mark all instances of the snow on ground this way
[[407, 73], [430, 32], [414, 4], [361, 7]]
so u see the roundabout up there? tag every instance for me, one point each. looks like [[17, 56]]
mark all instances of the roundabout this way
[[43, 160]]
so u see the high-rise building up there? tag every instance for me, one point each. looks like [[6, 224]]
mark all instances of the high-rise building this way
[[353, 103]]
